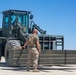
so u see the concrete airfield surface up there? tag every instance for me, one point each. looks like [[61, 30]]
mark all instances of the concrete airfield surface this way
[[68, 69]]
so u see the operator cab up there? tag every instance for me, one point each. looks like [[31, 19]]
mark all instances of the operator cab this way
[[10, 17]]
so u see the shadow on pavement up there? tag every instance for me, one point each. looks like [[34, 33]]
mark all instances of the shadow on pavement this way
[[42, 68]]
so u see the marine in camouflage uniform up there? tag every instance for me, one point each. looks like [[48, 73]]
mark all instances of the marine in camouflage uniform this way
[[34, 50]]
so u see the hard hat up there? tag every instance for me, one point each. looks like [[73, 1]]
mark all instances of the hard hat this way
[[35, 31]]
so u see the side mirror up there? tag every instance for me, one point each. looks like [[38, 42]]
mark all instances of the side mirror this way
[[31, 16]]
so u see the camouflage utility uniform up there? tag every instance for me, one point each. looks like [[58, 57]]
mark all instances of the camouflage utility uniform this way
[[33, 52], [13, 44]]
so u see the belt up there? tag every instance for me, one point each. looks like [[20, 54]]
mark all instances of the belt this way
[[32, 46]]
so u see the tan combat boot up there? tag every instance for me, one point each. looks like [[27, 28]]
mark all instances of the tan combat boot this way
[[35, 70]]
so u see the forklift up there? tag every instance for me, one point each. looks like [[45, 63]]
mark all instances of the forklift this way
[[19, 24]]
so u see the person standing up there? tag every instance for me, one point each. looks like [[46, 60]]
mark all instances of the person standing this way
[[34, 50]]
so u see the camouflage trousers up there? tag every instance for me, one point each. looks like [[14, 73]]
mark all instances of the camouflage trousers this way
[[33, 54]]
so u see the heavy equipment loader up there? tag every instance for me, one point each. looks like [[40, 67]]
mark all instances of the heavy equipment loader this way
[[19, 24]]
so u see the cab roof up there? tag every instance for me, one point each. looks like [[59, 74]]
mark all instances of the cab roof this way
[[16, 11]]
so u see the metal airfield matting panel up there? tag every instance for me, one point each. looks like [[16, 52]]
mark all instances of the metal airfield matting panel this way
[[47, 57], [70, 56], [51, 42]]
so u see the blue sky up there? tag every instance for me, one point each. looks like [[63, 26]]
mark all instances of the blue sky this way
[[57, 17]]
